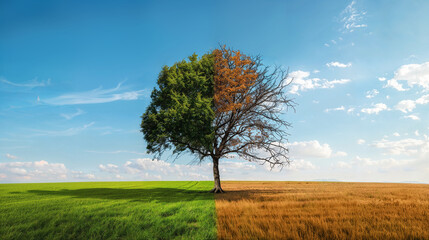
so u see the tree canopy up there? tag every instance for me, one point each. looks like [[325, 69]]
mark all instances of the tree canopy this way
[[223, 103], [181, 114]]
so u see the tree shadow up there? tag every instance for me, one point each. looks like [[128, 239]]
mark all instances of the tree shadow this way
[[247, 194], [134, 195], [235, 195]]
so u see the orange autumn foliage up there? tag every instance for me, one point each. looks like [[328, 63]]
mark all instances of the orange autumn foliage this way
[[234, 75]]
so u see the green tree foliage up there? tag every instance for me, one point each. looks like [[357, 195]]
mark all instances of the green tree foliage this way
[[180, 115]]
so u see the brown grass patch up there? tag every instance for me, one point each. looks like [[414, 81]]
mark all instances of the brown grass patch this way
[[322, 210]]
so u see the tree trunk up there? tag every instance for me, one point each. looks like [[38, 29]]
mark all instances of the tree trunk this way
[[217, 188]]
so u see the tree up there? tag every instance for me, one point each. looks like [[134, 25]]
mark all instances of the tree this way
[[222, 104]]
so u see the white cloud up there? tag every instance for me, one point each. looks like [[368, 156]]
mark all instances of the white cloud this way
[[351, 18], [412, 74], [423, 99], [382, 79], [331, 84], [364, 161], [396, 134], [301, 164], [389, 166], [383, 163], [81, 175], [111, 168], [413, 117], [148, 164], [72, 115], [406, 106], [40, 171], [32, 84], [342, 108], [360, 141], [407, 146], [10, 156], [148, 169], [372, 93], [393, 83], [309, 149], [237, 165], [98, 95], [302, 82], [35, 171], [375, 109], [417, 133], [338, 64]]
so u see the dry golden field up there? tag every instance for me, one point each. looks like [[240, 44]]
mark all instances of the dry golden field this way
[[322, 210]]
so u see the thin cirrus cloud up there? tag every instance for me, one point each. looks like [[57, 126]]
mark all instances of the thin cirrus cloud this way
[[98, 95], [372, 93], [72, 115], [117, 152], [352, 18], [32, 84], [66, 132]]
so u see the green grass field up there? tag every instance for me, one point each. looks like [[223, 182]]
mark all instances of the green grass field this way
[[107, 210]]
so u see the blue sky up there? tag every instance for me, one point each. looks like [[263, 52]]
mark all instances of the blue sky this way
[[75, 77]]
